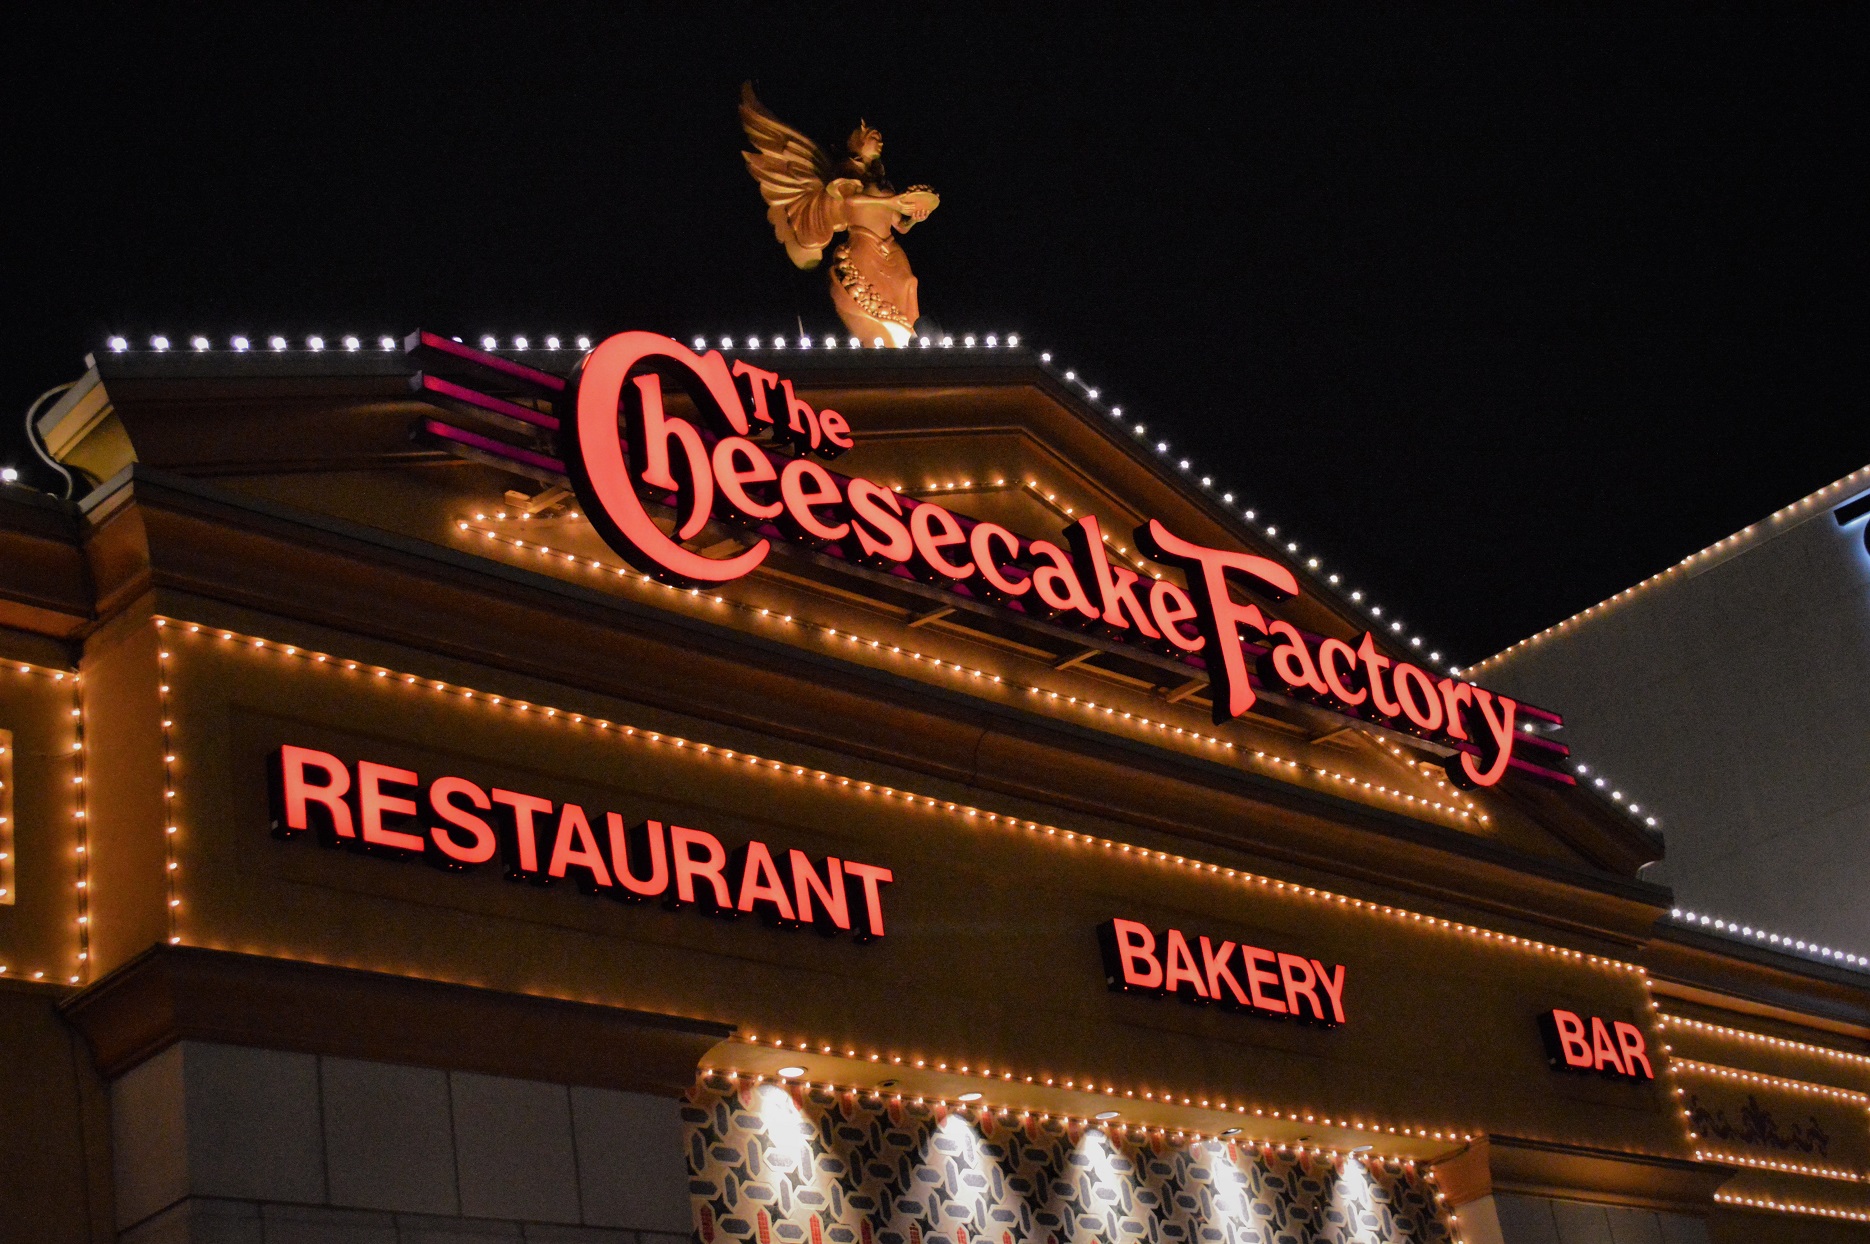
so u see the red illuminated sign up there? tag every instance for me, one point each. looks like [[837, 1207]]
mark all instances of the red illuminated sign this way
[[1578, 1043], [625, 452], [1138, 959], [457, 824]]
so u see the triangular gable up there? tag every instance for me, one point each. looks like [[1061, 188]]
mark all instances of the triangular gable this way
[[989, 438]]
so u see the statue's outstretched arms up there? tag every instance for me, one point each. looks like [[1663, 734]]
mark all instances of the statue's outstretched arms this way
[[793, 174], [915, 204]]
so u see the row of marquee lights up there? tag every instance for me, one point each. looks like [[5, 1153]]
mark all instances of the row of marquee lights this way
[[1274, 762], [6, 818], [351, 342], [1793, 1207], [81, 919], [1784, 1168], [1779, 1082], [1113, 1118], [1733, 928], [1760, 1038]]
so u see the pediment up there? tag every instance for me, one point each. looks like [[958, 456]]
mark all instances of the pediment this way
[[992, 437]]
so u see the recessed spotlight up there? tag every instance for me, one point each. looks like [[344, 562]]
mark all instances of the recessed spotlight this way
[[1106, 1114], [1362, 1148], [791, 1071], [970, 1097], [1230, 1131]]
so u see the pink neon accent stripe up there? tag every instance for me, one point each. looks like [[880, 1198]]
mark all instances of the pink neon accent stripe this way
[[492, 362], [487, 444], [482, 401]]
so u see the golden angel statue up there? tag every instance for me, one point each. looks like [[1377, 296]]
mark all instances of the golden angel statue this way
[[808, 202]]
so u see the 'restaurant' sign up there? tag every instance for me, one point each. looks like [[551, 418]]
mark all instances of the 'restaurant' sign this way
[[624, 451], [458, 824]]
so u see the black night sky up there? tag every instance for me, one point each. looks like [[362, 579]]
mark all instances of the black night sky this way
[[1497, 315]]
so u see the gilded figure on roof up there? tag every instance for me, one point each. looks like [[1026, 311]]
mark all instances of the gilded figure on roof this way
[[809, 201]]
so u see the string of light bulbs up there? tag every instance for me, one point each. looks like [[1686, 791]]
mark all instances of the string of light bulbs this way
[[1793, 1207], [347, 343], [1779, 941], [1784, 1168], [1766, 1081], [81, 882], [1093, 1085], [171, 815], [1109, 1119]]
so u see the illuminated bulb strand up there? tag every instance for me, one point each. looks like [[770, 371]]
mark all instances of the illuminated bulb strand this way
[[1780, 1082], [349, 343], [1270, 760], [909, 798], [1790, 1168], [1666, 1075], [1093, 1085], [6, 824], [1613, 792], [81, 882], [170, 816], [81, 820], [831, 341], [1804, 1047], [983, 1107], [1051, 501], [1426, 770], [1780, 941], [1792, 1207], [1753, 532]]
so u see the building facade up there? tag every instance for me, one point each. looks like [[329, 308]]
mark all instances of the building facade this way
[[766, 793], [1733, 690]]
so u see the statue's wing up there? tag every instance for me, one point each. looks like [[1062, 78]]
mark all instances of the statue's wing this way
[[792, 173]]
